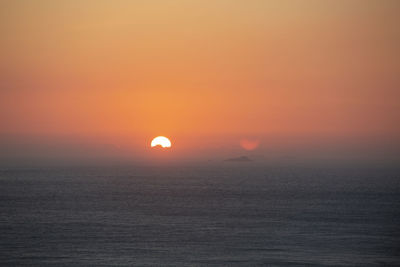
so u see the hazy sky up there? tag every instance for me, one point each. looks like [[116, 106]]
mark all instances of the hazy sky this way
[[205, 73]]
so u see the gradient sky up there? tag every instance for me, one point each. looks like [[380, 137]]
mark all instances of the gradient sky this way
[[205, 73]]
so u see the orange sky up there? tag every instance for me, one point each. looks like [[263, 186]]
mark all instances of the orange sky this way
[[205, 73]]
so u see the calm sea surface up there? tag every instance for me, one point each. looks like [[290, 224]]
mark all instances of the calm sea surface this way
[[220, 215]]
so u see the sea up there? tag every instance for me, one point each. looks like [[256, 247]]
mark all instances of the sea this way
[[219, 214]]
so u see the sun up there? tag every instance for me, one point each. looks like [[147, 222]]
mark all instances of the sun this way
[[161, 141]]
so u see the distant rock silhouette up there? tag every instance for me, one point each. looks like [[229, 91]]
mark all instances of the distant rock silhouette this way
[[239, 159]]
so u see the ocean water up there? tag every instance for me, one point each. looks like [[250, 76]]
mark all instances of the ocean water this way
[[212, 215]]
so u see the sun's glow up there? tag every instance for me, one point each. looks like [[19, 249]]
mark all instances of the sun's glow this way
[[161, 141]]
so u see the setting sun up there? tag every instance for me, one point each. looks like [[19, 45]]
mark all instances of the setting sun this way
[[161, 141]]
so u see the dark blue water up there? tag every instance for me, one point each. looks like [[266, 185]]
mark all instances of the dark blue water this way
[[219, 215]]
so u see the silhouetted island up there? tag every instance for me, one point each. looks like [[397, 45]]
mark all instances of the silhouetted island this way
[[239, 159]]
